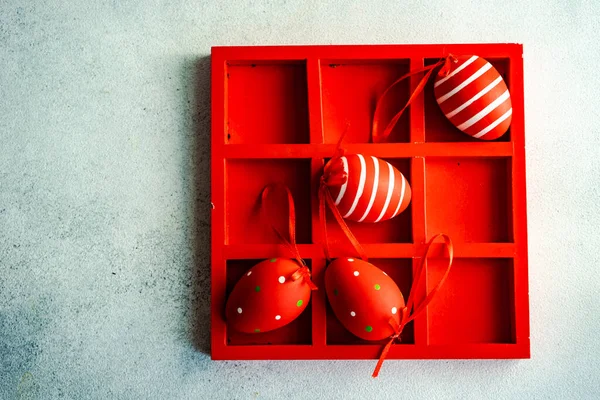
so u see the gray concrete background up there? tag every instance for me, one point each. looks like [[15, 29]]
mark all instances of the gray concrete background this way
[[104, 197]]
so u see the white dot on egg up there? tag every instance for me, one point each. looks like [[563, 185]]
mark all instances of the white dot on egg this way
[[278, 317], [384, 273], [249, 273], [352, 313], [281, 279], [351, 259], [239, 310], [356, 273], [394, 310]]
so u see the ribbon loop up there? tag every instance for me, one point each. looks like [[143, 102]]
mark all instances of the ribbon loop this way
[[410, 311], [302, 272], [377, 137]]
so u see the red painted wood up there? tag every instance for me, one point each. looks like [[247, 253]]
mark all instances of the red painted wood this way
[[276, 115], [391, 150]]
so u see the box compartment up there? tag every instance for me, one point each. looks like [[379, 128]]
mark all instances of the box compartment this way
[[437, 127], [469, 198], [475, 305], [267, 103], [400, 270], [296, 332], [349, 94], [246, 180], [394, 230]]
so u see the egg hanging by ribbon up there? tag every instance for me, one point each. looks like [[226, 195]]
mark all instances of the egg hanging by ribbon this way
[[268, 297], [363, 298], [474, 97], [367, 189]]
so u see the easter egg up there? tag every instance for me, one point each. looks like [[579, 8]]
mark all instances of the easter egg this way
[[363, 298], [266, 297], [474, 97], [373, 191]]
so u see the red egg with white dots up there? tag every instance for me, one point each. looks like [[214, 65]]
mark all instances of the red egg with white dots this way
[[266, 297], [363, 298], [374, 190]]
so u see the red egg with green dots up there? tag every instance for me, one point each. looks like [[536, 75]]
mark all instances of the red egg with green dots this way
[[267, 297], [363, 298]]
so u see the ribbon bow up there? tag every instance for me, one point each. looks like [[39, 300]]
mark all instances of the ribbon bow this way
[[411, 311]]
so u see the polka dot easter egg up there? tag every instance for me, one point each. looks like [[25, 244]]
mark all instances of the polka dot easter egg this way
[[267, 297], [474, 97], [373, 190], [363, 298]]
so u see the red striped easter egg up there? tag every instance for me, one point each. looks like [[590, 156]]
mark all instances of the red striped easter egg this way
[[475, 98], [374, 190]]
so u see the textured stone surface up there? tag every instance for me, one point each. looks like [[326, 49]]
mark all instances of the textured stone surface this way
[[104, 197]]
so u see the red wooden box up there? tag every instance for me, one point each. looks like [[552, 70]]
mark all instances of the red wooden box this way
[[277, 113]]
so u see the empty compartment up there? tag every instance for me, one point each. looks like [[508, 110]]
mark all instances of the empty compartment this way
[[400, 270], [267, 103], [298, 331], [246, 180], [438, 128], [469, 198], [349, 94], [475, 305], [394, 230]]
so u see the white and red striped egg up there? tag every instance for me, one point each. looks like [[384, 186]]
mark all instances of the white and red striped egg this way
[[373, 191], [474, 97]]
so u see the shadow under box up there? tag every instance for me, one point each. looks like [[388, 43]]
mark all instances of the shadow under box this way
[[469, 198], [245, 181], [400, 270], [437, 127], [267, 103], [475, 305], [394, 230], [298, 331], [349, 94]]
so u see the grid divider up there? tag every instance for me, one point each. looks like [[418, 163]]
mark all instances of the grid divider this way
[[417, 150]]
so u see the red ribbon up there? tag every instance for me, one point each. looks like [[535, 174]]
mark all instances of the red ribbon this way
[[377, 138], [411, 310], [303, 272], [334, 175]]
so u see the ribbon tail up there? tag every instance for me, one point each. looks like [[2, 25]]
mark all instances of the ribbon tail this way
[[311, 284], [340, 220], [323, 220], [382, 357], [435, 290], [408, 314]]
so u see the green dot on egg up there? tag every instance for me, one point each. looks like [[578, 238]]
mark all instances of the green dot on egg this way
[[299, 303], [368, 328], [257, 330], [377, 287], [257, 289], [273, 259], [335, 292]]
